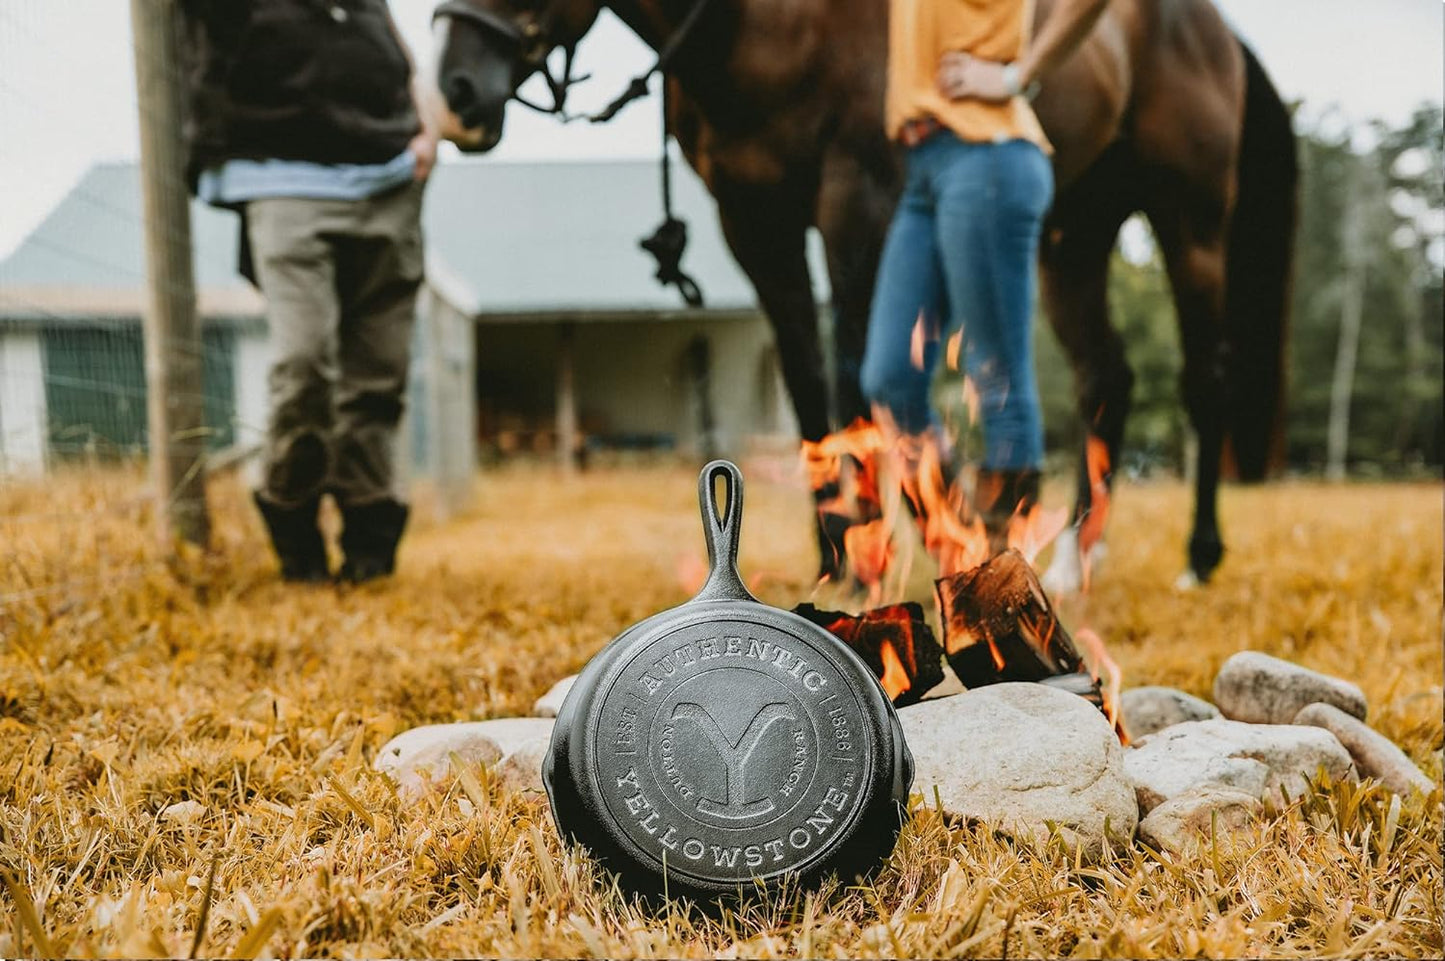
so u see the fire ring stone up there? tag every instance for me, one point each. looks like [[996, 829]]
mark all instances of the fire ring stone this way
[[726, 743]]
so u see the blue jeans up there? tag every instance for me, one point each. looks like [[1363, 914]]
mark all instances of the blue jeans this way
[[961, 252]]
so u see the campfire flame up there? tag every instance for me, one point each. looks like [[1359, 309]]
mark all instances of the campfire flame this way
[[1100, 661], [971, 400], [953, 350], [1091, 525], [895, 677], [865, 475], [952, 356], [894, 641], [1029, 533], [870, 552], [823, 459], [924, 333], [952, 534], [847, 498], [868, 498]]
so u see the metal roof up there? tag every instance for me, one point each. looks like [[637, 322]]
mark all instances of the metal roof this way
[[515, 239], [87, 257]]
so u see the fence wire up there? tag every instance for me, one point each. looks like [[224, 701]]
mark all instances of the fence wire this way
[[78, 507]]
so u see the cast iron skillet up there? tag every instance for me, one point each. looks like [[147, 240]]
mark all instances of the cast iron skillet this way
[[726, 743]]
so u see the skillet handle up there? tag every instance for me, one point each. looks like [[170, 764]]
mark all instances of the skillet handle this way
[[722, 531]]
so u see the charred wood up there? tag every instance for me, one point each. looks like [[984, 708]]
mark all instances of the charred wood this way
[[998, 625], [894, 641]]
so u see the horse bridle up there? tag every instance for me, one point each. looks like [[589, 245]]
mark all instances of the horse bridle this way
[[533, 37]]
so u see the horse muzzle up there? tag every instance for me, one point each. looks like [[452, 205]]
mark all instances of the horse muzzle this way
[[467, 117], [469, 86]]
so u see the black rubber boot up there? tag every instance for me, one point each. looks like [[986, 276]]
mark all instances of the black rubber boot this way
[[369, 536], [296, 539], [998, 495]]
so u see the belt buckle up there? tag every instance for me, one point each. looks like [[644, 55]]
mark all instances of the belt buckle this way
[[917, 130]]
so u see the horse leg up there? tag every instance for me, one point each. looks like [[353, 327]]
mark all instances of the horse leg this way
[[1187, 125], [1192, 228], [766, 229], [1078, 240], [855, 204]]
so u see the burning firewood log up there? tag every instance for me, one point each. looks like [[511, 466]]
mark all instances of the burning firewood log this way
[[894, 641], [998, 624]]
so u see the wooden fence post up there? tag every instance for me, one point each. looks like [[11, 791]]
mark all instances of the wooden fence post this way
[[566, 424], [174, 361]]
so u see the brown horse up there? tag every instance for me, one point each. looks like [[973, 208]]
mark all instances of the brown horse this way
[[778, 106]]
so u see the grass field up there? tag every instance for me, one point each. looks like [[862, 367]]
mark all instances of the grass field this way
[[127, 685]]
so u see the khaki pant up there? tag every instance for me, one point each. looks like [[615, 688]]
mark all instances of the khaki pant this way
[[340, 280]]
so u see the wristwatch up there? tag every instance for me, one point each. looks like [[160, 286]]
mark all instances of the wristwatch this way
[[1011, 83]]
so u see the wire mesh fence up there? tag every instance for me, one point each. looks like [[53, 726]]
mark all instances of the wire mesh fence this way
[[78, 507]]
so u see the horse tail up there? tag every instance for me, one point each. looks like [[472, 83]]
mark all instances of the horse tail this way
[[1258, 276]]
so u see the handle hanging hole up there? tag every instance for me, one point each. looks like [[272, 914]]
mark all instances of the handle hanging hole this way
[[722, 498]]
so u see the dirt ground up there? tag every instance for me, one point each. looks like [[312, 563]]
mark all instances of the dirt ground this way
[[128, 685]]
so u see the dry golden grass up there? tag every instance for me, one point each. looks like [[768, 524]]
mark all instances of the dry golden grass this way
[[127, 685]]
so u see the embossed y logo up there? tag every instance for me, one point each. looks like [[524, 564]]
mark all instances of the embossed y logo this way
[[735, 757]]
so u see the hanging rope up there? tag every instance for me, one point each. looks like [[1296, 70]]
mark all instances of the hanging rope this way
[[669, 240]]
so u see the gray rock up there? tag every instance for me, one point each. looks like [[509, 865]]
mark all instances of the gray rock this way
[[1254, 759], [1150, 709], [1182, 825], [521, 770], [550, 703], [1261, 689], [183, 812], [1018, 756], [421, 756], [1374, 754]]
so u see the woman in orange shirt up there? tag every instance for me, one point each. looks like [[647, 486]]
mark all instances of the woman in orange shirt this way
[[961, 249]]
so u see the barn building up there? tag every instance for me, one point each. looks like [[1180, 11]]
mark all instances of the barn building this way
[[540, 330]]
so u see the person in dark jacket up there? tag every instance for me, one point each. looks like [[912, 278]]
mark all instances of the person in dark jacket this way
[[302, 117]]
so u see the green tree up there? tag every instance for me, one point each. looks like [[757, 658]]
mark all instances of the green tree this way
[[1369, 215], [1412, 159]]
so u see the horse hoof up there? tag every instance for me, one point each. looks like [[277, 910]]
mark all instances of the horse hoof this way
[[1204, 557]]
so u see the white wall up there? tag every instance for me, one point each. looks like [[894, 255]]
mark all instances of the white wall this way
[[443, 392], [22, 403], [253, 363]]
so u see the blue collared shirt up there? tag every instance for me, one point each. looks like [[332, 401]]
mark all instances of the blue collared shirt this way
[[237, 181]]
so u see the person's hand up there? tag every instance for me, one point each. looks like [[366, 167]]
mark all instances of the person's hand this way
[[424, 148], [962, 75]]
